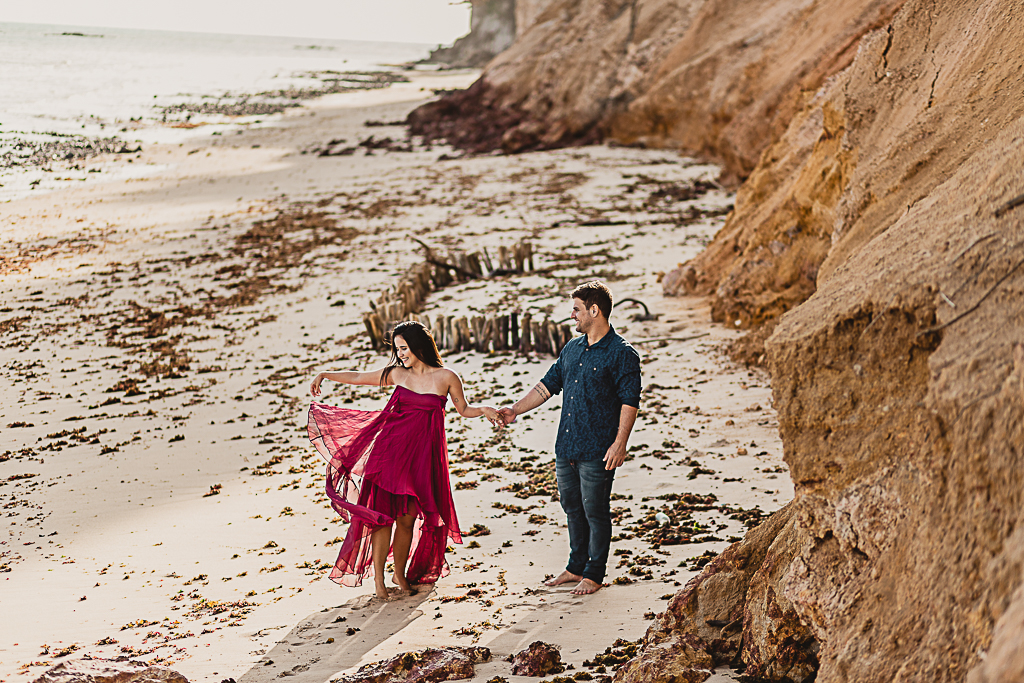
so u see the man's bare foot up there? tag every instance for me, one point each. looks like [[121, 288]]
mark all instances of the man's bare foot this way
[[586, 587], [564, 577]]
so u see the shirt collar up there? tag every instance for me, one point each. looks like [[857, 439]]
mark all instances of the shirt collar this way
[[603, 341]]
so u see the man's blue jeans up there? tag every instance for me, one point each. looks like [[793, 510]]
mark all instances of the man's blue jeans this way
[[585, 489]]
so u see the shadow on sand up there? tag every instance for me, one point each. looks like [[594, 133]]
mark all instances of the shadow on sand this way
[[305, 656]]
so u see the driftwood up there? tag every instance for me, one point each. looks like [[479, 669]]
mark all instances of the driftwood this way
[[503, 332], [478, 264], [508, 331]]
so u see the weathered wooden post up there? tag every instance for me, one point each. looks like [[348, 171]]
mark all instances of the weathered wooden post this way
[[488, 335], [540, 338], [487, 261], [473, 261], [453, 333], [439, 330], [476, 324], [501, 335], [525, 346]]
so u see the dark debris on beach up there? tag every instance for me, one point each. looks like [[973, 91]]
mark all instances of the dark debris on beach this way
[[49, 148], [276, 101]]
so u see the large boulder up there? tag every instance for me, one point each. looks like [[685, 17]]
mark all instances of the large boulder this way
[[97, 670], [430, 665], [540, 659]]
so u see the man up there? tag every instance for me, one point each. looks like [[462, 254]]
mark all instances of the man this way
[[600, 374]]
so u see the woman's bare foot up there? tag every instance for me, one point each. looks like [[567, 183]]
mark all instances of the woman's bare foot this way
[[586, 587], [403, 586], [381, 590], [564, 577]]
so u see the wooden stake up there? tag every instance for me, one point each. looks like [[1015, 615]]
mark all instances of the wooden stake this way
[[525, 345]]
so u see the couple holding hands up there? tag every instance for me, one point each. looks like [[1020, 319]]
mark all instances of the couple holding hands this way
[[387, 472]]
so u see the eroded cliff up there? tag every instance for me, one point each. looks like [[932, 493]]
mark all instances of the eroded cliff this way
[[900, 390], [893, 202], [924, 93], [721, 79]]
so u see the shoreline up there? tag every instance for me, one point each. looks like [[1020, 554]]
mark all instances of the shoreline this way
[[76, 145], [108, 260]]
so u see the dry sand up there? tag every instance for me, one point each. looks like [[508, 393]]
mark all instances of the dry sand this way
[[158, 336]]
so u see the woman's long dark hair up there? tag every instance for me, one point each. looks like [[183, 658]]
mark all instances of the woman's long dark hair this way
[[420, 342]]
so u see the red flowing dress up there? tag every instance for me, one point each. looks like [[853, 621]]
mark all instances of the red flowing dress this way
[[382, 465]]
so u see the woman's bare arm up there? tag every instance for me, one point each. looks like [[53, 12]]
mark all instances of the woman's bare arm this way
[[348, 377], [463, 407]]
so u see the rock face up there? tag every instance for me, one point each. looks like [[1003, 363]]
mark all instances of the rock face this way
[[492, 29], [925, 93], [892, 201], [900, 390], [721, 78], [109, 671]]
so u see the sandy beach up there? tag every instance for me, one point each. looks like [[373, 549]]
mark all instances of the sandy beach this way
[[160, 327]]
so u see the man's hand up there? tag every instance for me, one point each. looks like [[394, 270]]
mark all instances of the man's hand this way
[[493, 416], [508, 416], [615, 456]]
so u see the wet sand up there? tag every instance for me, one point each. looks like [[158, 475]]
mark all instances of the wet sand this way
[[160, 496]]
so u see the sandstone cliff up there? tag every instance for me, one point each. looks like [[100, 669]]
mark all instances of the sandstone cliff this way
[[712, 77], [924, 93], [881, 148], [894, 197]]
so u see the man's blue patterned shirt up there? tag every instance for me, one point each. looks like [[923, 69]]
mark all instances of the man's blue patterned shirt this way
[[597, 380]]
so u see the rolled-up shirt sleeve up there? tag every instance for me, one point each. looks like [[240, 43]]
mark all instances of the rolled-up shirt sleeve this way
[[553, 379], [628, 379]]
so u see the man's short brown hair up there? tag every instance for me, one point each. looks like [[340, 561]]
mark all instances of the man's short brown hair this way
[[595, 293]]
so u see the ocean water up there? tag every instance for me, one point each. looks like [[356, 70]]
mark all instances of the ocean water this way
[[58, 81]]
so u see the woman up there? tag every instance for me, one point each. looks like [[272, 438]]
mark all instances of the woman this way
[[390, 467]]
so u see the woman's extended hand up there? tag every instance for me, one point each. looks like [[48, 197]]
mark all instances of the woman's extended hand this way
[[492, 415], [314, 388]]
